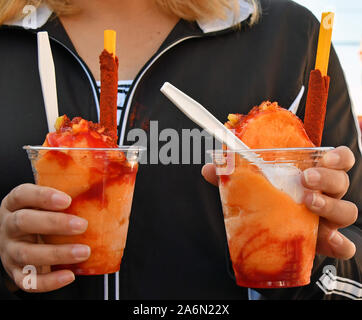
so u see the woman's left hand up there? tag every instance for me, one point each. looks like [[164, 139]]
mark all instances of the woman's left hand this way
[[330, 183], [326, 184]]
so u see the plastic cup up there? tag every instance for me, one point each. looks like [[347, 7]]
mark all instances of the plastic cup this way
[[271, 234], [101, 184]]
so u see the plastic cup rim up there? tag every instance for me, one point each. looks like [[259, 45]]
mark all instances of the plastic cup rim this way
[[120, 148], [270, 150]]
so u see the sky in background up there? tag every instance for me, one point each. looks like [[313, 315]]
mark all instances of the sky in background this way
[[347, 37]]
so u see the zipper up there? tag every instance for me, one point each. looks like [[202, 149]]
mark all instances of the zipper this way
[[136, 82], [134, 86]]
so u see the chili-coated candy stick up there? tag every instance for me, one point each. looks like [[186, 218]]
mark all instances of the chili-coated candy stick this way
[[316, 105], [109, 84]]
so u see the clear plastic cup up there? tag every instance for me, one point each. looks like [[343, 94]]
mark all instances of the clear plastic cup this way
[[101, 184], [271, 234]]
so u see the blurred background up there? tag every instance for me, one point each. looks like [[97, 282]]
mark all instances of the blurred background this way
[[347, 37]]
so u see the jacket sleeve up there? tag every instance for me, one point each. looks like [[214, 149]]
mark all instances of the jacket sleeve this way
[[5, 293], [333, 278]]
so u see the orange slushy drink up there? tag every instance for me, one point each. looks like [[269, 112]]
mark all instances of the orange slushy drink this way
[[81, 159], [271, 234]]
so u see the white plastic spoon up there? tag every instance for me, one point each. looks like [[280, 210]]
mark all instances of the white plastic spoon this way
[[295, 105], [201, 116], [47, 79]]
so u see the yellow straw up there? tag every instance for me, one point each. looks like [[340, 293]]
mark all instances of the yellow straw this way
[[110, 41], [324, 42]]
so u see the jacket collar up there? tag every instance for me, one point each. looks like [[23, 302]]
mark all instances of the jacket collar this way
[[39, 17], [245, 10], [35, 18]]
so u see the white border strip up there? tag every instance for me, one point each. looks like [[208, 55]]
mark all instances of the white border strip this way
[[331, 284], [105, 286], [116, 280]]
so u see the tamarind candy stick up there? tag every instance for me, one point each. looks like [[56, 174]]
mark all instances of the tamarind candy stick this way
[[109, 84], [318, 87], [316, 106]]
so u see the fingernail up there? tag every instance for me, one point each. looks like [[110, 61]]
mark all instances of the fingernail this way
[[61, 200], [318, 201], [332, 159], [66, 278], [80, 252], [336, 239], [312, 177], [78, 224]]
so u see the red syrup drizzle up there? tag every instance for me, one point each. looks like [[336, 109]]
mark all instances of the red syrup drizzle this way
[[96, 192], [108, 167], [288, 273]]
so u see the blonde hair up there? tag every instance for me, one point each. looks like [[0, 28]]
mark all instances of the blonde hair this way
[[192, 10]]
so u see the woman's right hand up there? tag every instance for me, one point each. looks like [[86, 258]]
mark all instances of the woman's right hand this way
[[27, 211]]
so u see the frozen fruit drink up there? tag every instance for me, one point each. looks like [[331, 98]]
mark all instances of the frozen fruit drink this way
[[101, 184], [271, 237]]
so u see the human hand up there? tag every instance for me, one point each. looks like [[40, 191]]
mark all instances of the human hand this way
[[26, 212], [326, 184]]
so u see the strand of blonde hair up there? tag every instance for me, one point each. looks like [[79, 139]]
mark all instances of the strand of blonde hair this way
[[192, 10]]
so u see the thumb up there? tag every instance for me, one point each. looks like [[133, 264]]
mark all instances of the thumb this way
[[208, 171]]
